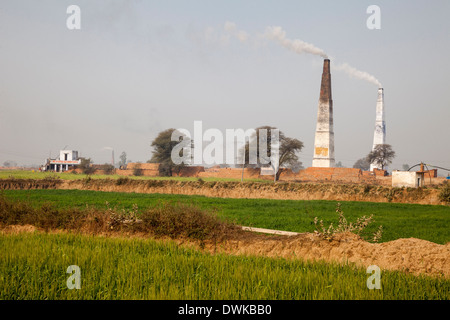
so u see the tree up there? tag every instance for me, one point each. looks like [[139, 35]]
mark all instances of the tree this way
[[339, 165], [381, 155], [123, 159], [107, 168], [405, 167], [362, 164], [137, 171], [9, 163], [162, 153], [86, 166], [288, 149]]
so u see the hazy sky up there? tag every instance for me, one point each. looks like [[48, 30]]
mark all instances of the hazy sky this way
[[138, 67]]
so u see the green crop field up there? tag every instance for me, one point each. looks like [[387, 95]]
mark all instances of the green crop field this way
[[33, 266], [398, 220]]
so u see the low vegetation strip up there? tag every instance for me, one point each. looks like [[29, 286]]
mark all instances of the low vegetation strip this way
[[236, 189], [33, 266], [162, 220]]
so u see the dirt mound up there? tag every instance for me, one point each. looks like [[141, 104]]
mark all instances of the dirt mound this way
[[410, 255]]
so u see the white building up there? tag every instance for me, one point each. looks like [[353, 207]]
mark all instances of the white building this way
[[66, 159], [412, 179]]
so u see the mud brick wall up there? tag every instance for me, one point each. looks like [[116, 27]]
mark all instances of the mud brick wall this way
[[381, 173], [143, 166], [330, 174], [145, 173], [147, 169], [232, 173], [189, 172], [312, 174]]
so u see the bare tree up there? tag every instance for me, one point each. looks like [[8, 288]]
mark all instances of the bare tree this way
[[123, 159], [288, 149], [381, 155]]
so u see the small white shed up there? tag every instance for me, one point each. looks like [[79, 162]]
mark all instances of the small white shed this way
[[410, 179]]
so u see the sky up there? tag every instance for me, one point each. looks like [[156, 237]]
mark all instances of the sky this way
[[136, 68]]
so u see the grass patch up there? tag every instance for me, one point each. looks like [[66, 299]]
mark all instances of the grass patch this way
[[33, 266]]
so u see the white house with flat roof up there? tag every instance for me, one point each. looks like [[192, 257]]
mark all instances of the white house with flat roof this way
[[66, 160]]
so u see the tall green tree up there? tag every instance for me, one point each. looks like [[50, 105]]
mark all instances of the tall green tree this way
[[162, 153]]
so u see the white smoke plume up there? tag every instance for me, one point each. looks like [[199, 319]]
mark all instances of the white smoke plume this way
[[277, 34], [355, 73], [298, 46], [231, 29]]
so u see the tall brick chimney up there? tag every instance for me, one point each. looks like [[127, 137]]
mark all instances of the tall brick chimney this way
[[324, 140], [379, 135]]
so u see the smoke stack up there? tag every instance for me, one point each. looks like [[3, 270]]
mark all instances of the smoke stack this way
[[324, 139], [379, 135]]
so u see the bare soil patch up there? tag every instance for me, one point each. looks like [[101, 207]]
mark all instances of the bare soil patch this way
[[410, 255]]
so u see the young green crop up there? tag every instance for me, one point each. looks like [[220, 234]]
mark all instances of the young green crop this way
[[399, 220], [33, 266]]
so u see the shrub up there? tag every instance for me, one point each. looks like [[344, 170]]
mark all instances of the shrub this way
[[367, 188], [107, 168], [187, 221], [122, 180], [137, 171], [444, 194], [165, 219], [86, 166], [357, 227]]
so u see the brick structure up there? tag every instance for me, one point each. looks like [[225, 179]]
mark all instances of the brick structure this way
[[190, 171], [324, 138], [147, 169], [318, 175], [379, 135], [330, 174], [233, 173]]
